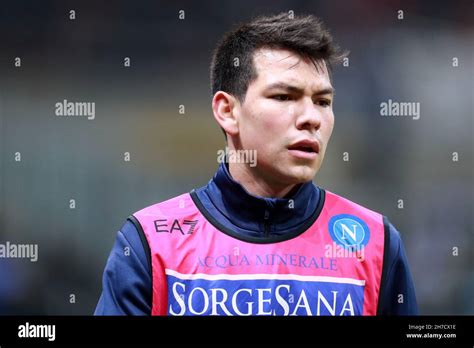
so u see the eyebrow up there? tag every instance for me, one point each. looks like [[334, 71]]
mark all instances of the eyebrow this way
[[295, 89]]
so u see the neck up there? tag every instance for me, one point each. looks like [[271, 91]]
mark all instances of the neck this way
[[228, 203], [257, 185]]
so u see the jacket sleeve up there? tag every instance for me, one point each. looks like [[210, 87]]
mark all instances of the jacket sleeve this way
[[126, 283], [397, 288]]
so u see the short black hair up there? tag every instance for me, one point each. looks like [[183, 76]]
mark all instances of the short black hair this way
[[232, 68]]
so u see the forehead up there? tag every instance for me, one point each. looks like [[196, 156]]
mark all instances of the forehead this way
[[274, 65]]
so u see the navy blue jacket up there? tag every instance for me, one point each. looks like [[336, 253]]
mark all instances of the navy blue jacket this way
[[127, 283]]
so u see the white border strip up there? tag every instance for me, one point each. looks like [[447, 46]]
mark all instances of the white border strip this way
[[259, 276]]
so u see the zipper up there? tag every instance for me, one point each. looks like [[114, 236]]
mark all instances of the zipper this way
[[266, 223]]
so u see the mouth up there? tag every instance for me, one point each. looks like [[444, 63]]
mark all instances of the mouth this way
[[307, 148]]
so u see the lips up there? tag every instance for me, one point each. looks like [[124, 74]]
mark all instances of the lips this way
[[305, 145]]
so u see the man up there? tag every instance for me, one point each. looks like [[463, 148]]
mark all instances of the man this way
[[260, 238]]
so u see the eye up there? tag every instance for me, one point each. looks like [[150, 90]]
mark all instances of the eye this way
[[281, 97], [324, 103]]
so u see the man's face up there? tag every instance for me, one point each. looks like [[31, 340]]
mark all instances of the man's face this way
[[289, 102]]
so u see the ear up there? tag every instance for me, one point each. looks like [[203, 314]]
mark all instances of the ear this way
[[225, 109]]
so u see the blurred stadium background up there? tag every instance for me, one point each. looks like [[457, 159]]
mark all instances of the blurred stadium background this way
[[137, 111]]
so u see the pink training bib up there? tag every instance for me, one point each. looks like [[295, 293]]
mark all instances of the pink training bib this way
[[332, 268]]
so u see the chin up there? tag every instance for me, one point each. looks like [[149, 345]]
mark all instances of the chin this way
[[300, 175], [291, 173]]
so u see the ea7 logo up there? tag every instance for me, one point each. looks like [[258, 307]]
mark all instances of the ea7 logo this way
[[185, 227]]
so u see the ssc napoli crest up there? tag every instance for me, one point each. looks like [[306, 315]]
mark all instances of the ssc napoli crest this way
[[349, 231]]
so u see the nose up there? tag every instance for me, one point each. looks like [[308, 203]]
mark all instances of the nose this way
[[308, 117]]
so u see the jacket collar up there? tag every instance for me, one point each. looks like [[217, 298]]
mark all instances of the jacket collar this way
[[247, 211]]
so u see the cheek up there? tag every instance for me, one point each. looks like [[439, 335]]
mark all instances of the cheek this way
[[330, 125], [266, 122], [327, 131], [269, 114]]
